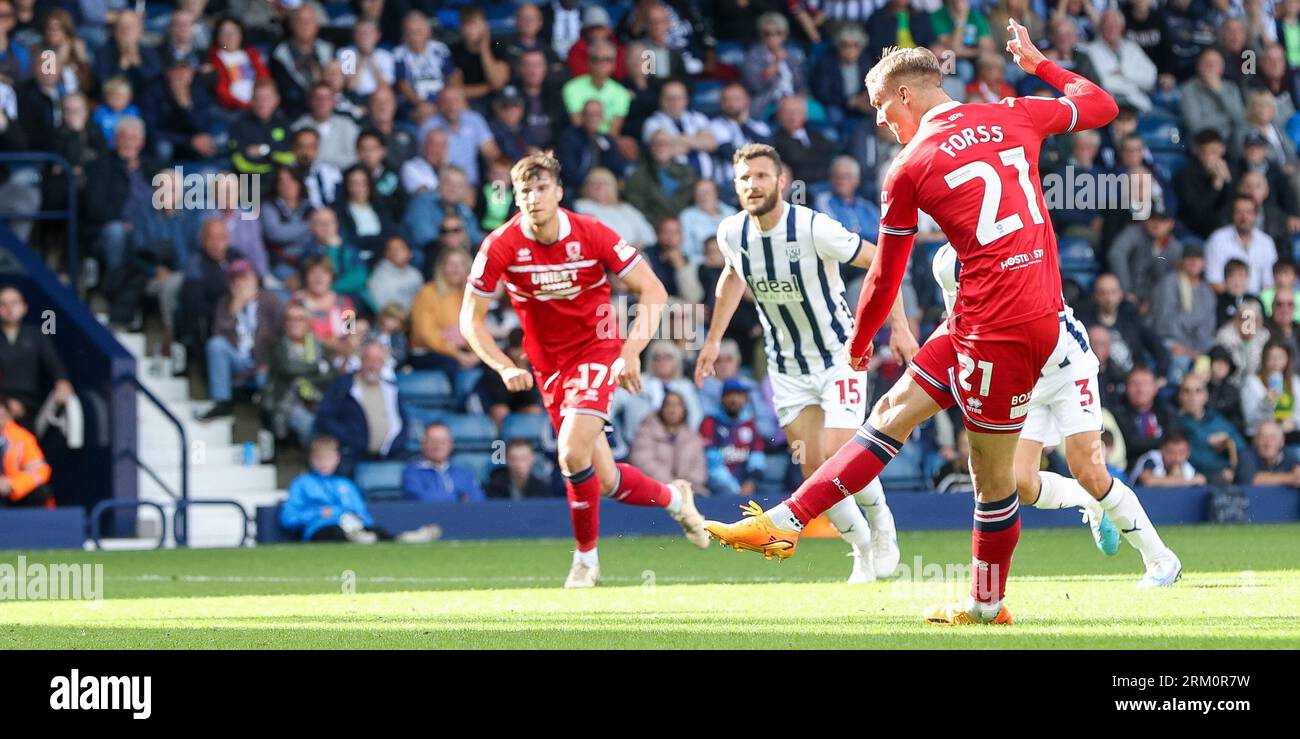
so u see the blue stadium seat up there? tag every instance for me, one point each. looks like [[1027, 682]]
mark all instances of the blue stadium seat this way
[[471, 433], [426, 389], [1078, 261], [480, 463], [706, 97], [1160, 133], [380, 480], [525, 426], [731, 52], [417, 419]]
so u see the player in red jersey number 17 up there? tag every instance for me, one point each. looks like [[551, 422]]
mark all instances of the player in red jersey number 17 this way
[[555, 267], [973, 168]]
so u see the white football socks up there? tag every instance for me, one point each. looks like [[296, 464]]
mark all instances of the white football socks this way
[[783, 518], [871, 500], [1127, 513], [1056, 491], [847, 519], [675, 502], [588, 558]]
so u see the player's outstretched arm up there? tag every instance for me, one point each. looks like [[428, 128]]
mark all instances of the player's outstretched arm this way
[[473, 325], [727, 296], [1084, 106], [902, 343], [651, 296]]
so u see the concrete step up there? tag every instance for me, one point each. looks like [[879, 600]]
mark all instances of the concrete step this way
[[214, 477], [136, 343], [168, 389], [166, 457], [157, 431]]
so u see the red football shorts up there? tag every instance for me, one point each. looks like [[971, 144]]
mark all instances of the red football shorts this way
[[586, 386], [991, 376]]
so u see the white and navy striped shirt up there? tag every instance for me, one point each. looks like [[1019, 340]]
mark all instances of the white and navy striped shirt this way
[[794, 271]]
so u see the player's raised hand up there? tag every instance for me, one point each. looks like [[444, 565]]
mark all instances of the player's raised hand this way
[[627, 370], [704, 362], [1022, 49], [517, 380]]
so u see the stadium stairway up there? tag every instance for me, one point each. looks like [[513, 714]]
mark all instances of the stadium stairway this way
[[217, 470]]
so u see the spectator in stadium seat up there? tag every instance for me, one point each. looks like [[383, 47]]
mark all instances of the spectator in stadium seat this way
[[1169, 466], [1210, 101], [666, 448], [1244, 336], [15, 61], [733, 448], [162, 242], [1132, 341], [1282, 325], [29, 363], [122, 183], [480, 61], [806, 150], [1284, 281], [600, 201], [1281, 191], [1270, 461], [990, 83], [583, 148], [258, 140], [1272, 393], [1205, 185], [323, 179], [1077, 218], [39, 99], [179, 115], [117, 94], [245, 325], [23, 469], [381, 115], [298, 371], [363, 220], [346, 259], [843, 203], [374, 65], [597, 84], [238, 206], [1243, 240], [237, 66], [1123, 68], [670, 264], [496, 397], [1224, 388], [544, 111], [394, 280], [701, 218], [1182, 309], [420, 174], [507, 125], [689, 132], [954, 476], [1262, 119], [372, 154], [428, 213], [423, 64], [285, 230], [596, 28], [333, 314], [468, 133], [837, 77], [772, 70], [1272, 220], [124, 55], [898, 24], [528, 38], [182, 41], [733, 127], [516, 480], [1141, 416], [1065, 50], [1143, 255], [661, 186], [206, 281], [75, 140], [1277, 78], [653, 62], [72, 56], [1215, 444], [436, 340], [337, 132], [298, 62], [360, 409], [434, 478], [1109, 375]]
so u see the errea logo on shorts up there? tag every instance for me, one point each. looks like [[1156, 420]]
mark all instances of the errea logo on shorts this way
[[76, 692], [974, 404]]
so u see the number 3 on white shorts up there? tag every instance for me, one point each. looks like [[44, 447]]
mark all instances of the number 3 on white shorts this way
[[585, 372], [968, 366]]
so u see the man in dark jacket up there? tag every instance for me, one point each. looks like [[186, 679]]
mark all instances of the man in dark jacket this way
[[806, 150], [361, 410], [179, 115], [259, 139], [119, 182], [245, 325], [206, 280], [1142, 419], [582, 148], [517, 481], [28, 360], [1205, 185], [661, 186]]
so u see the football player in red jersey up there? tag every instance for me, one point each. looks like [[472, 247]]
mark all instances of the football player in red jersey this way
[[555, 265], [974, 168]]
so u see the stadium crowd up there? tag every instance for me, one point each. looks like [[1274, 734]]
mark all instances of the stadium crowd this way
[[380, 134]]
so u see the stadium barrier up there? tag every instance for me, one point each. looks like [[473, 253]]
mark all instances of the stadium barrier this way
[[549, 518]]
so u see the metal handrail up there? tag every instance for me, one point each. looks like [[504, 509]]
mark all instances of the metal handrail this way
[[97, 513], [180, 521], [69, 215], [184, 493]]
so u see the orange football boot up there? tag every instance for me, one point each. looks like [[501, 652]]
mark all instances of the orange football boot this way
[[957, 614], [755, 533]]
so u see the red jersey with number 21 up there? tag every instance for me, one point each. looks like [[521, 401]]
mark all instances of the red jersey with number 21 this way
[[557, 289], [974, 168]]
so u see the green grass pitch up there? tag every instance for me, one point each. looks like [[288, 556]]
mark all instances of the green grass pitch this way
[[1240, 589]]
